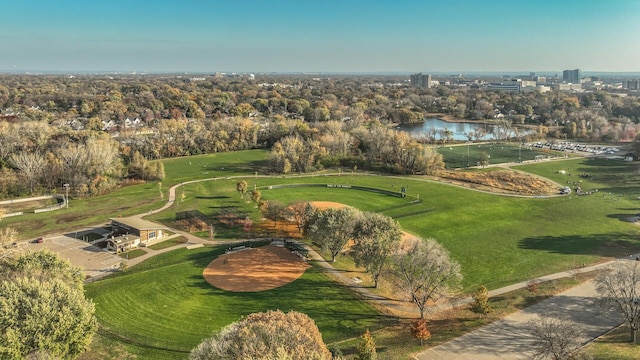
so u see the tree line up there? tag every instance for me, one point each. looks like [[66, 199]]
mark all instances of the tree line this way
[[51, 127], [389, 99]]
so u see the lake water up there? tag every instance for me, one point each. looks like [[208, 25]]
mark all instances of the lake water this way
[[459, 129]]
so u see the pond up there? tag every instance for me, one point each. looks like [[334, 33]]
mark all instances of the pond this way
[[434, 128]]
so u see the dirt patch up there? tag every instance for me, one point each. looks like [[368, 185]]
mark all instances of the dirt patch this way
[[258, 269], [323, 205], [73, 217]]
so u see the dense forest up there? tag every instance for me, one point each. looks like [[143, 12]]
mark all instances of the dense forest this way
[[98, 132]]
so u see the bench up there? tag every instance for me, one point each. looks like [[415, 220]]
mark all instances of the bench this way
[[301, 254], [234, 249]]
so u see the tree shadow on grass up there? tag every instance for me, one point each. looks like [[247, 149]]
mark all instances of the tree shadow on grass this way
[[629, 218], [610, 244], [212, 197]]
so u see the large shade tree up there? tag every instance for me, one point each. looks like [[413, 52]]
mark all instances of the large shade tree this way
[[43, 309], [375, 236], [272, 335], [331, 229]]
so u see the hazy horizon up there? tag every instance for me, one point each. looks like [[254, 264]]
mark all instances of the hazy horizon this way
[[331, 37]]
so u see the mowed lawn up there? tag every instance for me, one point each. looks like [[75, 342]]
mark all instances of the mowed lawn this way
[[500, 240], [165, 302], [456, 156], [136, 199]]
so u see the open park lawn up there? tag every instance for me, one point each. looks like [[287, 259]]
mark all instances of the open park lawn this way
[[165, 302], [456, 156], [498, 240]]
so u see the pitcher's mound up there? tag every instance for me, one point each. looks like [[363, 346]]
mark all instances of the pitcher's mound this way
[[256, 269]]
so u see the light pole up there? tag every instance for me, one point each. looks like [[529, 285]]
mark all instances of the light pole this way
[[66, 187], [520, 152]]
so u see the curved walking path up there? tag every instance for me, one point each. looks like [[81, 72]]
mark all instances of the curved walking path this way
[[504, 339]]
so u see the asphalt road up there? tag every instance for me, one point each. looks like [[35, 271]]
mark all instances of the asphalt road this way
[[510, 338]]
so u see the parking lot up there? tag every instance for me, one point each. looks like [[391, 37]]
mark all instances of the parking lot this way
[[95, 261]]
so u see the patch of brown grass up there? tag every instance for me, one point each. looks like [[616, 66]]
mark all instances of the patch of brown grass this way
[[503, 180]]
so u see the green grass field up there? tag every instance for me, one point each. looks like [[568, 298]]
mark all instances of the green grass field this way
[[165, 302], [136, 199], [169, 243], [498, 240], [456, 156]]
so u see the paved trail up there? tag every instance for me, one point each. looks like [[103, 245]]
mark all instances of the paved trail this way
[[509, 338], [504, 339]]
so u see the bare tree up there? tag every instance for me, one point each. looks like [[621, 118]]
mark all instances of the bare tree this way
[[424, 271], [30, 166], [620, 291], [556, 338]]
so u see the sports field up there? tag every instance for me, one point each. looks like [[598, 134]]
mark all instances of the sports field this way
[[463, 156], [498, 240], [165, 302]]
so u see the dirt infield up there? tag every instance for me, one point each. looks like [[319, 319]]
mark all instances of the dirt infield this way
[[323, 205], [258, 269]]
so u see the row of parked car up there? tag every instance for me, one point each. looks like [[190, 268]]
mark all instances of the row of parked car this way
[[568, 146]]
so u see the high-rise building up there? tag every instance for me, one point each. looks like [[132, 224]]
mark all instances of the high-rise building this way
[[421, 80], [571, 76]]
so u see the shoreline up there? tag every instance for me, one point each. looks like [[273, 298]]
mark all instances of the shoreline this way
[[451, 119]]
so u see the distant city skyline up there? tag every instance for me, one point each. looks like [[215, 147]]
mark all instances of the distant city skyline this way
[[347, 36]]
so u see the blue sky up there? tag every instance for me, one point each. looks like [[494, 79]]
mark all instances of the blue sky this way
[[320, 36]]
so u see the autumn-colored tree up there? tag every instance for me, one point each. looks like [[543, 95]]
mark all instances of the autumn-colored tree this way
[[247, 224], [420, 330], [7, 236], [271, 335], [256, 195], [272, 209], [296, 212], [480, 303], [241, 186], [367, 347]]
